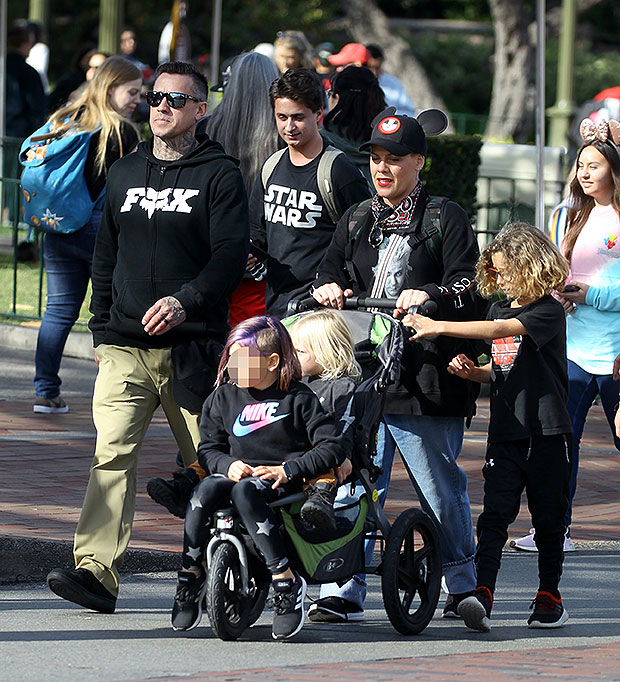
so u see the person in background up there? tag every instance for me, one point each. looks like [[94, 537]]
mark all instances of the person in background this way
[[129, 45], [593, 310], [352, 54], [244, 125], [321, 65], [289, 217], [355, 98], [292, 51], [107, 102], [39, 55], [394, 90], [71, 80]]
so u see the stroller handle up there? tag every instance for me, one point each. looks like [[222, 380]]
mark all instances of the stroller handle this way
[[355, 302]]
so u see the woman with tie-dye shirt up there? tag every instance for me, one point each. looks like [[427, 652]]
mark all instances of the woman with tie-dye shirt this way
[[592, 246]]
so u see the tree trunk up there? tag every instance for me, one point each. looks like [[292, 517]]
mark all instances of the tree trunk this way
[[513, 60], [368, 24]]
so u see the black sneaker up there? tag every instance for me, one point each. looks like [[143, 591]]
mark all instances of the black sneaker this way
[[451, 607], [81, 587], [334, 610], [475, 610], [174, 494], [318, 509], [188, 601], [288, 606], [548, 611]]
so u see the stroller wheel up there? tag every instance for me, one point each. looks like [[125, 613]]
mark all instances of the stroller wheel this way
[[411, 576], [228, 609]]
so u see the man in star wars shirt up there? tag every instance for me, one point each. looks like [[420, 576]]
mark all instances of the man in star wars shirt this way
[[288, 216]]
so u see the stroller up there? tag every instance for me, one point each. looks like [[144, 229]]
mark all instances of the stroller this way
[[238, 581]]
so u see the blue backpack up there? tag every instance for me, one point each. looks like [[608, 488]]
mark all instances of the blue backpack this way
[[56, 198]]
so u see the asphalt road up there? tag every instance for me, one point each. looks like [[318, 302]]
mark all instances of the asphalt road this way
[[44, 638]]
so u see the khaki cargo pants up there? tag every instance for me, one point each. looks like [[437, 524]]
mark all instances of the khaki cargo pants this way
[[131, 383]]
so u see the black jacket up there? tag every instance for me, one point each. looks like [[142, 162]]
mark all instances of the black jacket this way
[[177, 228], [268, 427], [425, 386]]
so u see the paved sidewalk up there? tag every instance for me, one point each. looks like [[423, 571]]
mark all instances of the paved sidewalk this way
[[45, 460]]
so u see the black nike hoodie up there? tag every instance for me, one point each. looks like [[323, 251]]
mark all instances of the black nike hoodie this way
[[169, 228]]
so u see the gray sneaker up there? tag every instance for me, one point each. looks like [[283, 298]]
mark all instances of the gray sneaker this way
[[50, 405]]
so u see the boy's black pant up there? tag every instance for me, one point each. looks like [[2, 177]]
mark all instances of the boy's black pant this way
[[541, 466]]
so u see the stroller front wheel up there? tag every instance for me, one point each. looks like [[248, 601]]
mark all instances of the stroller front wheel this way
[[411, 575]]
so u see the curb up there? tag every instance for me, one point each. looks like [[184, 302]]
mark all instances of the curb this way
[[30, 560], [79, 344]]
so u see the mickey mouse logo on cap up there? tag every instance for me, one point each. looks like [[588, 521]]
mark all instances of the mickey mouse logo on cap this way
[[389, 125]]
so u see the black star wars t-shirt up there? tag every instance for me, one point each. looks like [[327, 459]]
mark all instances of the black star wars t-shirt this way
[[290, 221], [529, 381]]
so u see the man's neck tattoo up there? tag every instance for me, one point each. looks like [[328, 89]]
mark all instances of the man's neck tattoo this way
[[174, 149]]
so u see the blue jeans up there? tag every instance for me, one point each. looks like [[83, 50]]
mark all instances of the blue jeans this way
[[429, 447], [583, 388], [68, 265]]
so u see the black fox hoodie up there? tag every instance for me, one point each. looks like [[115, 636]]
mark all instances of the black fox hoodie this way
[[169, 228]]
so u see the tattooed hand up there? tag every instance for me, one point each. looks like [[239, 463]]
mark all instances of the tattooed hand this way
[[163, 315]]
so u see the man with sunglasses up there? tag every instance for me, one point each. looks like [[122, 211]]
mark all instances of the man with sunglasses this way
[[171, 248], [389, 247]]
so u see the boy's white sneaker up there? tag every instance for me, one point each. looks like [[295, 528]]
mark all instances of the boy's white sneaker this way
[[527, 544]]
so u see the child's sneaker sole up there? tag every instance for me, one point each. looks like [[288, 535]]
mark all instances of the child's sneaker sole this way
[[474, 615]]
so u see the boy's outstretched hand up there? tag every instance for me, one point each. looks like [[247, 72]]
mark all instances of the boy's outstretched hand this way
[[462, 366], [423, 326]]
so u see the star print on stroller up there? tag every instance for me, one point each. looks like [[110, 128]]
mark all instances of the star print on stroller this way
[[238, 581]]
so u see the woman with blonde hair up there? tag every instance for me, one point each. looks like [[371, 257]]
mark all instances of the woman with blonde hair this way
[[103, 108]]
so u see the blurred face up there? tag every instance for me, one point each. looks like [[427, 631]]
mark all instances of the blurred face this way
[[168, 123], [248, 368], [394, 177], [286, 58], [297, 125], [309, 366], [93, 64], [125, 98], [594, 175], [128, 42], [374, 64]]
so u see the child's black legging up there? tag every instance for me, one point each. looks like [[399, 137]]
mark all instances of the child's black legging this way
[[250, 497]]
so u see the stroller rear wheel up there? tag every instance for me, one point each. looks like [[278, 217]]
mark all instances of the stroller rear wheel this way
[[411, 575], [229, 610]]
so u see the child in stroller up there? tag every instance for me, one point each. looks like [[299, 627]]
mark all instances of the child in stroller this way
[[249, 426]]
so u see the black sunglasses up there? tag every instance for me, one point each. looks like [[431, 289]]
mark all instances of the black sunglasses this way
[[176, 100]]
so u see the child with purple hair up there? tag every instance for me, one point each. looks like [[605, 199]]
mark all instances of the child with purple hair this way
[[262, 433]]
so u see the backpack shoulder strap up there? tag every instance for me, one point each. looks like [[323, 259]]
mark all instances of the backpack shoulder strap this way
[[270, 164], [353, 228], [324, 180], [431, 232]]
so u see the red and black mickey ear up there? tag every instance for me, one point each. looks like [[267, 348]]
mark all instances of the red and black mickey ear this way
[[433, 121], [390, 111]]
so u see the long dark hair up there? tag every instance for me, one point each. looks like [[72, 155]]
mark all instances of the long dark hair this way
[[580, 203], [360, 99], [268, 335]]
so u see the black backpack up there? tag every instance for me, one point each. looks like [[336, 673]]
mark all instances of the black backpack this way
[[430, 232]]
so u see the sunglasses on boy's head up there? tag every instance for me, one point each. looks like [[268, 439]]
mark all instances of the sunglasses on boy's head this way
[[176, 100]]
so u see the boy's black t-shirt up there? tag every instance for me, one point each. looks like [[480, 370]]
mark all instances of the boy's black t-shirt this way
[[290, 221], [529, 380]]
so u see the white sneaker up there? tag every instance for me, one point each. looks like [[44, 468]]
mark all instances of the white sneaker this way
[[527, 544]]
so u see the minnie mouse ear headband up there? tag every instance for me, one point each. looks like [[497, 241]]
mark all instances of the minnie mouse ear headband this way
[[402, 135], [603, 131]]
